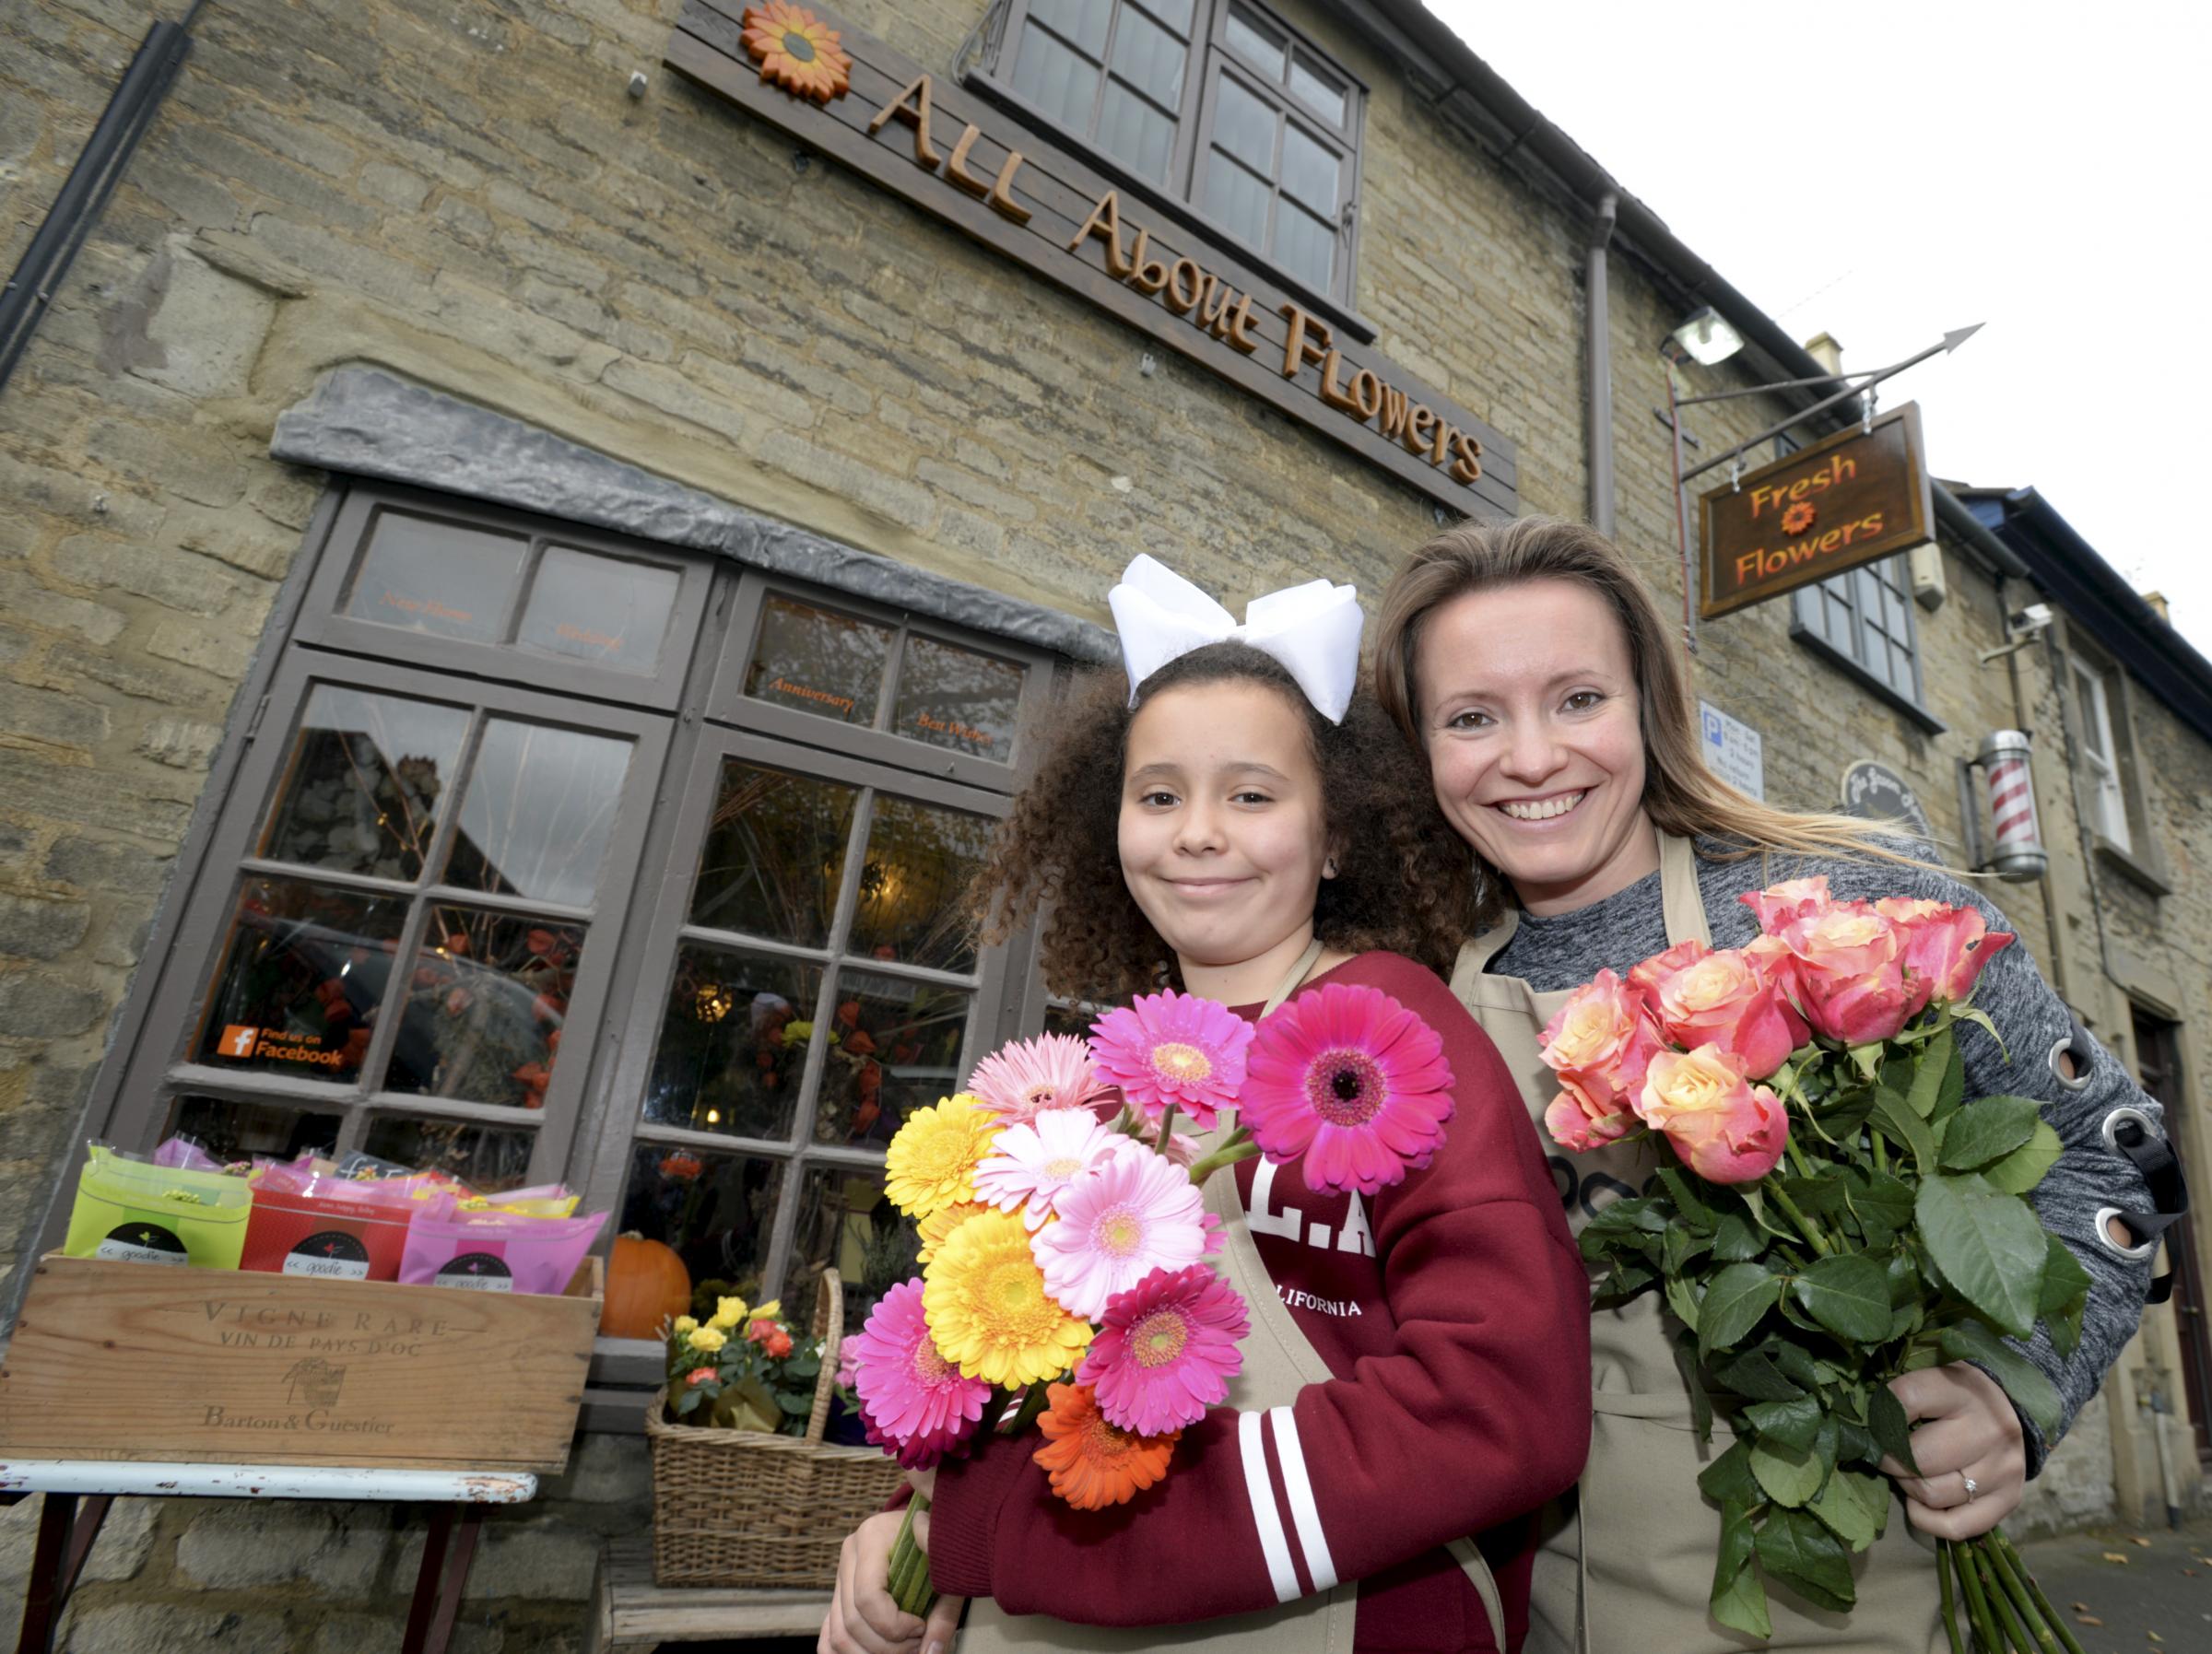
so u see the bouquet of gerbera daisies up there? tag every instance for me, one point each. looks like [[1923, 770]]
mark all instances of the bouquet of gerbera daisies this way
[[1064, 1238], [1831, 1210]]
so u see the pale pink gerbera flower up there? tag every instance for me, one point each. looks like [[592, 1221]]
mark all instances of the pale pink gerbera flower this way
[[1130, 1213], [911, 1399], [1353, 1081], [1166, 1350], [1173, 1049], [1030, 1164], [1032, 1077]]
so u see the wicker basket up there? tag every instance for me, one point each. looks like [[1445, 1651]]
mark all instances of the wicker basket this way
[[750, 1507]]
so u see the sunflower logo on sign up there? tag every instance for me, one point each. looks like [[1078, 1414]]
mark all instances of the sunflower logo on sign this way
[[797, 51], [1798, 518]]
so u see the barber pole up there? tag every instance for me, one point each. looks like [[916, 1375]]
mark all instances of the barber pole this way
[[2016, 851]]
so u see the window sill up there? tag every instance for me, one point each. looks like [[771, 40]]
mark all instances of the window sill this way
[[2139, 869], [1336, 313], [1813, 643]]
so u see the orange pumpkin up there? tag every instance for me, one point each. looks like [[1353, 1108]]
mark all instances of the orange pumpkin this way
[[646, 1283]]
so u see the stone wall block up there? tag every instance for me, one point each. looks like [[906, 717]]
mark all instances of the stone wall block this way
[[603, 1469], [126, 1539], [27, 602], [240, 1544], [207, 328], [175, 578], [37, 927], [39, 1005]]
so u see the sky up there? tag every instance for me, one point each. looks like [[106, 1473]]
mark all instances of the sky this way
[[1888, 172]]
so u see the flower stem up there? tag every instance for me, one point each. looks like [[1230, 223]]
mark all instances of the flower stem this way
[[2022, 1604], [1240, 1146], [1977, 1607], [1032, 1404], [1803, 1225], [1167, 1128], [910, 1581], [2000, 1602], [1944, 1567], [2012, 1560]]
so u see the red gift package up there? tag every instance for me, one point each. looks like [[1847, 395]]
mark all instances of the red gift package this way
[[322, 1228]]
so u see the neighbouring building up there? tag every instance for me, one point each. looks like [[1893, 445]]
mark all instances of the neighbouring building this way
[[529, 549]]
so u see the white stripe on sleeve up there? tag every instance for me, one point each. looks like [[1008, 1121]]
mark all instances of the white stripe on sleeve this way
[[1260, 1487], [1299, 1485]]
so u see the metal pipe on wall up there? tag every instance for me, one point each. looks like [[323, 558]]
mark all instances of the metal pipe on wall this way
[[1597, 354]]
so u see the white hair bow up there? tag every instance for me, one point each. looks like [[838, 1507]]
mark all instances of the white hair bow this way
[[1313, 629]]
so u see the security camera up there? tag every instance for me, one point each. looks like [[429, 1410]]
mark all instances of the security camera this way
[[2036, 618]]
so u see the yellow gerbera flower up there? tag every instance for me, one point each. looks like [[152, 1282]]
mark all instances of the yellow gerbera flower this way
[[937, 1227], [987, 1310], [707, 1340], [932, 1161]]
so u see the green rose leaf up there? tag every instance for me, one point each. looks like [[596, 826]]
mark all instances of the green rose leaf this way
[[1739, 1598], [1892, 1430], [1738, 1295], [1848, 1294], [1854, 1506], [1986, 1129], [2030, 1392], [1987, 1243], [2024, 1167], [1902, 1126], [1785, 1476], [1816, 1196], [1737, 1240], [1795, 1549], [1791, 1425], [1755, 1378], [1883, 1204], [1694, 1210], [2064, 1296], [1796, 1363], [1854, 1443], [1928, 1075], [1728, 1479], [1682, 1301]]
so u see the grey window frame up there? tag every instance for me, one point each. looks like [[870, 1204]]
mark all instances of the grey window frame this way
[[1209, 52]]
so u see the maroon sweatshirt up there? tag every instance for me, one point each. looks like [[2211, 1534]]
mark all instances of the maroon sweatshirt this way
[[1453, 1314]]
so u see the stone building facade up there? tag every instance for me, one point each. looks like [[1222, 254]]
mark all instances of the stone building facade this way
[[455, 267]]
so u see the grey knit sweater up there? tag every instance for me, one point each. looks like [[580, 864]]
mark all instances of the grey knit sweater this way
[[1628, 926]]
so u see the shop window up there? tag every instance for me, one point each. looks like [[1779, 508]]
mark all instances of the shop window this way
[[1862, 620], [482, 895], [1216, 104]]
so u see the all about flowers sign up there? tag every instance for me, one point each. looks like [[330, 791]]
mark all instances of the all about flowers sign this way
[[1847, 500]]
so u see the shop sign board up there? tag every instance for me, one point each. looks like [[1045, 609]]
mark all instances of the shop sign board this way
[[1876, 792], [1847, 500], [1733, 750], [964, 160]]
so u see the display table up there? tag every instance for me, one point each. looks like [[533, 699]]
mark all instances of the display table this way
[[66, 1536], [631, 1614]]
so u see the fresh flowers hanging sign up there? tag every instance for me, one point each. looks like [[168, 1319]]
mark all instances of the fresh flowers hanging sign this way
[[1065, 1241], [1831, 1210]]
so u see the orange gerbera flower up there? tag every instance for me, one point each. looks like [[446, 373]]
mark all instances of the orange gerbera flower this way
[[1799, 518], [797, 51], [1092, 1464]]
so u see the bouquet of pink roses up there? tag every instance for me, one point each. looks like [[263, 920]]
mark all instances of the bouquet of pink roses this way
[[1064, 1238], [1831, 1210]]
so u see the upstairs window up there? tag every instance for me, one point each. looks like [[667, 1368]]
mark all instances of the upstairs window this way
[[1216, 104], [2101, 755]]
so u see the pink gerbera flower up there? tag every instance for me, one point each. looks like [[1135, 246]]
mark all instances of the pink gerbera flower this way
[[1353, 1081], [911, 1399], [1166, 1350], [1171, 1048], [1130, 1213], [1034, 1076], [1030, 1164]]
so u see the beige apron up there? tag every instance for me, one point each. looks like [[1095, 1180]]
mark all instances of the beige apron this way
[[1637, 1544], [1280, 1361]]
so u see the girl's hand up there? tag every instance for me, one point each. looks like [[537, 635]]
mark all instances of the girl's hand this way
[[1965, 1426], [863, 1619]]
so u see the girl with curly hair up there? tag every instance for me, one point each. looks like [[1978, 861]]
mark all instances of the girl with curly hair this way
[[1238, 822]]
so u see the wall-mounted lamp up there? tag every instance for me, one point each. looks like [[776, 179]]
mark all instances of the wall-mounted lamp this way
[[1704, 337]]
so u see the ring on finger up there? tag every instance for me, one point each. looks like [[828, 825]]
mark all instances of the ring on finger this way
[[1974, 1488]]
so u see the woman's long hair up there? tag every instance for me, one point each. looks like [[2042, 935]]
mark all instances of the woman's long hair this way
[[1680, 794]]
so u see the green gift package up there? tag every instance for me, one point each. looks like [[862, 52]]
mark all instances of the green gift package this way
[[137, 1213]]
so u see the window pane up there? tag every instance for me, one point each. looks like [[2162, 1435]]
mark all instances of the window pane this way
[[1083, 22], [954, 698], [487, 1158], [1175, 14], [1317, 91], [1248, 35], [603, 610], [1148, 58], [367, 777], [733, 1044], [1134, 132], [898, 1048], [818, 660], [487, 996], [301, 977], [1310, 170], [1244, 126], [920, 860], [847, 1225], [1236, 200], [538, 811], [1304, 245], [234, 1131], [715, 1211], [1058, 81], [437, 577], [775, 849]]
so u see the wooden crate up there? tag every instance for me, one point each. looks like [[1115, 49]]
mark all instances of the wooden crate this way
[[128, 1361]]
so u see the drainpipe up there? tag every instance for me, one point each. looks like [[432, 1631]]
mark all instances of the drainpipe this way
[[1597, 354]]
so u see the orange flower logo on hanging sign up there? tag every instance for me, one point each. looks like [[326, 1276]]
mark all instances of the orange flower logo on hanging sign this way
[[797, 51], [1798, 518]]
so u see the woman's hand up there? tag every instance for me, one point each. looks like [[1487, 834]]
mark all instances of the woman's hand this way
[[863, 1619], [1964, 1426]]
